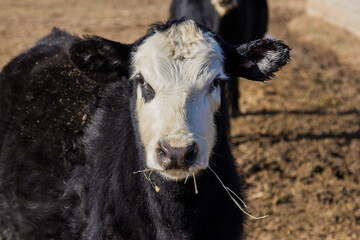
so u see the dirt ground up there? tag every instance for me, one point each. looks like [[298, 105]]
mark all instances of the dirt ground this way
[[298, 140]]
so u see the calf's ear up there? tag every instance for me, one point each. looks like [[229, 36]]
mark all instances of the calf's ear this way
[[101, 60], [257, 60]]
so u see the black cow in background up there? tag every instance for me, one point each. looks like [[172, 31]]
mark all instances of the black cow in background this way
[[236, 21]]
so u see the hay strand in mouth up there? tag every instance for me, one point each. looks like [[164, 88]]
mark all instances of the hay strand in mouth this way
[[233, 195], [187, 177], [156, 188], [143, 170], [195, 186]]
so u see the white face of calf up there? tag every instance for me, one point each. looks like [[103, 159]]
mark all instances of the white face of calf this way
[[182, 66], [178, 70]]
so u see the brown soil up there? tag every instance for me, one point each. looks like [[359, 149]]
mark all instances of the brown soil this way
[[298, 141]]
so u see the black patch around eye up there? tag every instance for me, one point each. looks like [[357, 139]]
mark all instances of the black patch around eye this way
[[147, 92], [216, 83]]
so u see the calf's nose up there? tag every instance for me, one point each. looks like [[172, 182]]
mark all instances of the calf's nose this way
[[177, 157]]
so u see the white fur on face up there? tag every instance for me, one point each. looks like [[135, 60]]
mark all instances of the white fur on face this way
[[180, 64]]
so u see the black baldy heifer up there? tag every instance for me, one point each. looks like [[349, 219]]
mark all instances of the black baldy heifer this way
[[236, 21], [80, 116]]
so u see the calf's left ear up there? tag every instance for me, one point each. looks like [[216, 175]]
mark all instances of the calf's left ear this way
[[101, 60], [257, 60]]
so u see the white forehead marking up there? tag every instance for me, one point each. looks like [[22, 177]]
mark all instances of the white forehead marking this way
[[178, 57]]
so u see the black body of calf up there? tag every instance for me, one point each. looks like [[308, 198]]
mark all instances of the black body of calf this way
[[80, 115]]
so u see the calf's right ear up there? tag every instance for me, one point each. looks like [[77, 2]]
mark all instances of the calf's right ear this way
[[257, 60], [101, 60]]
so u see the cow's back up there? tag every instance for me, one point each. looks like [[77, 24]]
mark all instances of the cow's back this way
[[201, 11], [44, 103], [245, 23]]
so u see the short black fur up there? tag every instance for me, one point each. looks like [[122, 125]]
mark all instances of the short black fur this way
[[101, 59]]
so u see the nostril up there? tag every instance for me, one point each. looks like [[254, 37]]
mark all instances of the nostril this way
[[163, 155], [161, 152], [191, 154]]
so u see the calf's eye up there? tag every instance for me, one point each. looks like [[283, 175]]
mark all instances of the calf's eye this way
[[140, 80], [215, 84], [147, 92]]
